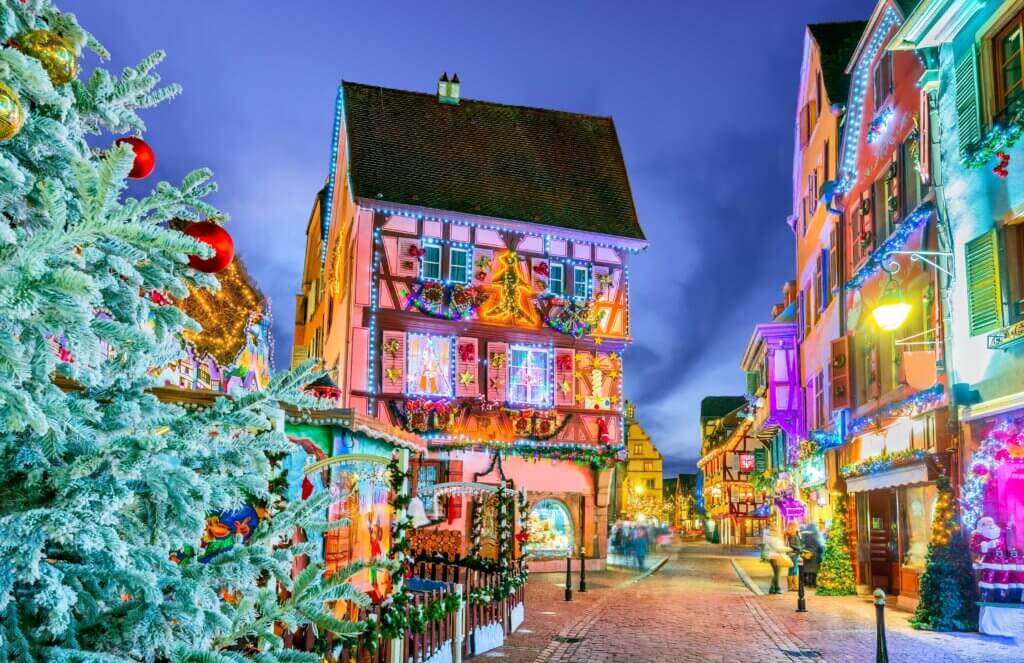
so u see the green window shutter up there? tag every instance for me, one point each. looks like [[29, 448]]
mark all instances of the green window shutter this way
[[753, 382], [968, 105], [984, 294]]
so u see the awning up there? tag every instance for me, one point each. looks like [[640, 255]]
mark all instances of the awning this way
[[897, 476]]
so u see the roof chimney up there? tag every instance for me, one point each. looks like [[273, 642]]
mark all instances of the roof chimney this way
[[448, 91]]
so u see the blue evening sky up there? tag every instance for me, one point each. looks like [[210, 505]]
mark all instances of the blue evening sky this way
[[703, 96]]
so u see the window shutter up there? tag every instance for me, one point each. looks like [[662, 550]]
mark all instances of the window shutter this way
[[833, 264], [408, 264], [839, 373], [874, 374], [454, 501], [392, 362], [968, 107], [497, 371], [800, 315], [466, 363], [483, 265], [600, 292], [565, 383], [984, 292], [753, 382]]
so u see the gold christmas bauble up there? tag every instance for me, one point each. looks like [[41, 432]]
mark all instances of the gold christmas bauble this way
[[53, 51], [12, 115]]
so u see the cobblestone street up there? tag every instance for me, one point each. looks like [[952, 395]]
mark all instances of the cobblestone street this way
[[695, 608]]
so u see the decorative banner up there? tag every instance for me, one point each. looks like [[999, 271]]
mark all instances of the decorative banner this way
[[747, 463]]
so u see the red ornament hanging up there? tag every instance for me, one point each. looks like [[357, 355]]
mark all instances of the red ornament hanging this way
[[145, 158], [210, 233], [1004, 161], [307, 488]]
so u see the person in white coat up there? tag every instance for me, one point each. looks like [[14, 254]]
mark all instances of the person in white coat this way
[[775, 551]]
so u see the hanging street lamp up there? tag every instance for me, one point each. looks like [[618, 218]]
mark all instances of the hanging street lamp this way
[[892, 309]]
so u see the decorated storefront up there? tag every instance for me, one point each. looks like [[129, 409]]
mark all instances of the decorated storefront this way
[[993, 504], [550, 530], [892, 475]]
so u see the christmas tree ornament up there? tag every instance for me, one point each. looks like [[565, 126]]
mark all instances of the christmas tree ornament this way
[[145, 159], [56, 54], [12, 115], [211, 233]]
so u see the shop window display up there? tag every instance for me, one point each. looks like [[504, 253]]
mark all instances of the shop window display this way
[[550, 530], [919, 508]]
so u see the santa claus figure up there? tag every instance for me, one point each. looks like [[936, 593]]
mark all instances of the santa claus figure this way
[[989, 547]]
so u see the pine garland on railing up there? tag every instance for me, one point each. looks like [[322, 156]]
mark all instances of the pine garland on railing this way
[[398, 612]]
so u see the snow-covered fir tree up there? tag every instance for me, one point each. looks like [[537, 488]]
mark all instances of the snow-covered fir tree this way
[[104, 488]]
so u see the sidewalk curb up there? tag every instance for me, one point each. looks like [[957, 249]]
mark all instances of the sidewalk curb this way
[[649, 572], [745, 579]]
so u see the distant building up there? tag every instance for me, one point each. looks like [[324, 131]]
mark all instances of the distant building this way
[[639, 485], [681, 492]]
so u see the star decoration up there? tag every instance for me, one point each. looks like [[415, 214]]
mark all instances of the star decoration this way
[[392, 374], [598, 340], [566, 387], [466, 378], [613, 356], [613, 374], [614, 400], [579, 398], [578, 375]]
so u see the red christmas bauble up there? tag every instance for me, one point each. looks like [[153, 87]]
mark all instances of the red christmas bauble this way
[[210, 233], [145, 159]]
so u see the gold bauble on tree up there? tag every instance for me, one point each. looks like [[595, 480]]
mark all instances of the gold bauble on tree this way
[[12, 115], [53, 51]]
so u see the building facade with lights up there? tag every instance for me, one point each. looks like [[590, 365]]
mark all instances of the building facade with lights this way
[[972, 55], [466, 280], [736, 511], [895, 424], [818, 228], [638, 486]]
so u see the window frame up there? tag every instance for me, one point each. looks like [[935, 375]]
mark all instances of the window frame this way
[[998, 63], [465, 266], [885, 61], [449, 369], [427, 247], [560, 291], [545, 384], [577, 282]]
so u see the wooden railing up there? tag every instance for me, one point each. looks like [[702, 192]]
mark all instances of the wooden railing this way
[[421, 646]]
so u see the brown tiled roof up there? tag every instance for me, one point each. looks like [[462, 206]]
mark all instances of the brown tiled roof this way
[[510, 162]]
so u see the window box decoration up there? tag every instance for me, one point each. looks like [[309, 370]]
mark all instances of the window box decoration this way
[[883, 462], [1001, 136], [537, 425], [425, 415], [452, 301]]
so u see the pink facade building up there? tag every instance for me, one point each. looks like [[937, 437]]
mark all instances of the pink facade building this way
[[466, 279]]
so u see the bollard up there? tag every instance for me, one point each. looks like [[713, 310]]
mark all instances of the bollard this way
[[801, 602], [583, 569], [568, 577], [881, 651]]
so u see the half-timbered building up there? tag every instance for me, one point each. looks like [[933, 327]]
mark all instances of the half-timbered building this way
[[466, 279]]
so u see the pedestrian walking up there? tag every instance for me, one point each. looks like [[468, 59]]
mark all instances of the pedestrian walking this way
[[814, 545], [796, 549], [640, 543], [776, 552]]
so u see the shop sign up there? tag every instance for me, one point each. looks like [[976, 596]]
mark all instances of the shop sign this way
[[760, 460], [812, 471], [747, 463], [1006, 336], [791, 508]]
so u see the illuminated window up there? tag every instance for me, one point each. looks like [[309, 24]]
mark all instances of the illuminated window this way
[[458, 265], [550, 530], [580, 282], [638, 449], [430, 369], [1008, 58], [648, 467], [556, 280], [528, 375], [431, 261]]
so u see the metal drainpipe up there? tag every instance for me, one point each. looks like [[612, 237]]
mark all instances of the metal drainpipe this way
[[945, 236]]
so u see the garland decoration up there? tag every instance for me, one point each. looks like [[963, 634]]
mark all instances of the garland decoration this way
[[908, 407], [595, 456], [884, 461], [882, 256], [1004, 444], [453, 301], [1000, 138], [570, 317], [536, 425], [425, 415], [879, 124]]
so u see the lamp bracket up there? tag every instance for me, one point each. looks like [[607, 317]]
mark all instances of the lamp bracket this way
[[920, 256], [909, 339]]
